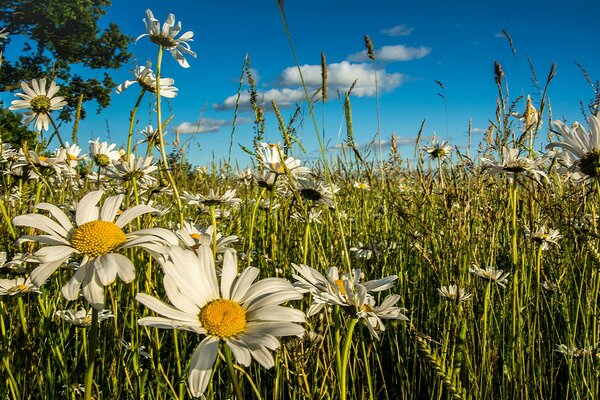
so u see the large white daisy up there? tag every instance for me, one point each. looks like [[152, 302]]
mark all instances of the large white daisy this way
[[246, 317], [39, 101], [97, 237]]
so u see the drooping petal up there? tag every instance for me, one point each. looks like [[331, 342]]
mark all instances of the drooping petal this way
[[201, 365]]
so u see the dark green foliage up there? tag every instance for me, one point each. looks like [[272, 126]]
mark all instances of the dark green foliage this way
[[62, 34], [13, 131]]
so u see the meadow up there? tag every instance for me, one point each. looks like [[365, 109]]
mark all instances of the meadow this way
[[450, 275]]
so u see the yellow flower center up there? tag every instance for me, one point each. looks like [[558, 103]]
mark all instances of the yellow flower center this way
[[162, 40], [96, 238], [40, 104], [340, 285], [366, 308], [102, 160], [223, 318], [18, 289], [196, 236]]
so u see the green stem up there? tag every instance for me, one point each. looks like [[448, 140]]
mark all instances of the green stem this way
[[345, 354], [161, 139], [7, 221], [89, 373], [368, 371], [236, 384], [132, 122], [213, 220]]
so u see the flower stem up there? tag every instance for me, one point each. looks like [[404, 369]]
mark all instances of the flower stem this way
[[161, 139], [345, 354], [230, 367], [89, 373], [132, 122]]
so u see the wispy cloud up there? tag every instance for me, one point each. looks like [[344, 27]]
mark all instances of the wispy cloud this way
[[284, 97], [397, 52], [398, 30], [341, 76], [204, 125]]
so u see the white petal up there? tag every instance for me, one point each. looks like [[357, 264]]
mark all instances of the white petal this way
[[54, 253], [131, 213], [93, 290], [201, 365], [228, 273], [276, 313], [58, 214], [72, 288], [110, 208], [263, 356], [166, 323], [42, 223], [180, 301], [277, 329], [240, 351], [243, 283], [164, 309], [106, 268], [42, 272], [86, 208]]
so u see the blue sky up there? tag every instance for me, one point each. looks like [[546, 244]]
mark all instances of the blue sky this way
[[455, 42]]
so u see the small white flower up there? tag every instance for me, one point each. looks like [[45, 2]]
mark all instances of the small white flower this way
[[39, 101], [147, 80], [493, 275], [543, 237], [453, 293], [103, 153], [513, 164], [167, 37], [273, 160], [213, 198], [438, 150], [13, 287], [81, 317]]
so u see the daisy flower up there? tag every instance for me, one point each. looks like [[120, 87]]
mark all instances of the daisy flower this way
[[81, 317], [72, 154], [372, 314], [193, 237], [315, 191], [213, 198], [147, 80], [454, 293], [581, 150], [244, 316], [273, 160], [103, 153], [39, 101], [361, 185], [334, 289], [513, 164], [574, 351], [364, 251], [490, 274], [12, 287], [438, 150], [97, 237], [544, 237], [166, 37], [139, 168]]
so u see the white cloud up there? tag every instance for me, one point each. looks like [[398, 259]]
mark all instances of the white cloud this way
[[478, 130], [340, 76], [203, 125], [499, 35], [284, 97], [398, 30], [397, 52]]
